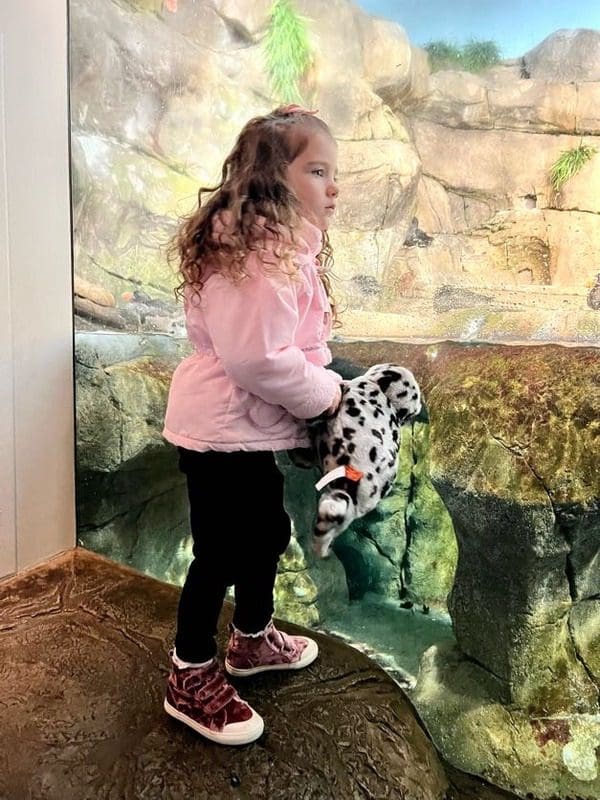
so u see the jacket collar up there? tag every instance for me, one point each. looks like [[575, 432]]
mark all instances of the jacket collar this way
[[310, 238]]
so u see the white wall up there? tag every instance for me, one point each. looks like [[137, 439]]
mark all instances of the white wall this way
[[37, 516]]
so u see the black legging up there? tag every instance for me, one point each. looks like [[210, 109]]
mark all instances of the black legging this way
[[240, 528]]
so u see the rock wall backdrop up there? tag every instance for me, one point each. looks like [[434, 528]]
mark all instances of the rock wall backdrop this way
[[448, 224], [476, 583]]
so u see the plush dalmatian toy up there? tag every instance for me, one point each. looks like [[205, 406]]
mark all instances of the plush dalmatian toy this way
[[357, 447]]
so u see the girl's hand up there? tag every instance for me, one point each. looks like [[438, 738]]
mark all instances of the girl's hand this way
[[336, 402]]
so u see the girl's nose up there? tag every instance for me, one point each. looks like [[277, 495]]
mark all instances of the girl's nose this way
[[333, 189]]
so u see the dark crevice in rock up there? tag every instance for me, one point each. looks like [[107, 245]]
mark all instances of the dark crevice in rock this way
[[388, 199], [150, 154], [459, 192], [570, 567], [575, 209], [237, 30], [592, 678], [409, 524], [114, 401], [135, 544], [142, 505], [560, 529], [85, 528], [502, 681], [517, 450], [379, 549], [564, 531], [340, 684]]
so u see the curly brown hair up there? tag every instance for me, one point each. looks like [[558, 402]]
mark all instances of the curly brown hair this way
[[259, 202]]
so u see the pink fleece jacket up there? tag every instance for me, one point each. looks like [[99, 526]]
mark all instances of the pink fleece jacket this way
[[258, 369]]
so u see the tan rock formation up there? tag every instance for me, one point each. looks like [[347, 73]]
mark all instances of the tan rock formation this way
[[91, 291], [466, 154], [501, 164]]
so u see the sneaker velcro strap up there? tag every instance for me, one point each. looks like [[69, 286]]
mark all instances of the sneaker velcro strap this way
[[284, 643], [224, 695]]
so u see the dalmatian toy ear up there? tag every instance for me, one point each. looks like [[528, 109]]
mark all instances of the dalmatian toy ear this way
[[400, 387]]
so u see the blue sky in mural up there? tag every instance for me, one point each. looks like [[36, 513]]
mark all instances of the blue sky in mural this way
[[515, 25]]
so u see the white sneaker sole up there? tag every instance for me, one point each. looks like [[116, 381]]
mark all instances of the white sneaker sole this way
[[235, 733], [311, 651]]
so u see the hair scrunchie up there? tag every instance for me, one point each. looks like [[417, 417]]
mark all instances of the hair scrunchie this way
[[294, 108]]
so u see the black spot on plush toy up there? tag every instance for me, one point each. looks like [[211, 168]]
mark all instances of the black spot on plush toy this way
[[357, 447]]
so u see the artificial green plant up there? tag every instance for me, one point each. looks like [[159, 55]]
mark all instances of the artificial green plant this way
[[287, 51]]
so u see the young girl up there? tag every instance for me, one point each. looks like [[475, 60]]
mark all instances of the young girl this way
[[258, 312]]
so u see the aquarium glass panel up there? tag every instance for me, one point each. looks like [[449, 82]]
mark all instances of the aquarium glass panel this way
[[468, 213]]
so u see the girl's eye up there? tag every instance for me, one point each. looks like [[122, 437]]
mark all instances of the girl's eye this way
[[319, 172]]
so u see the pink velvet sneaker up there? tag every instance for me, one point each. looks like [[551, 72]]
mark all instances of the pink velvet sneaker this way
[[270, 649], [202, 698]]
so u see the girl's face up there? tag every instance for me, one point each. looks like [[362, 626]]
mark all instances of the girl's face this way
[[312, 177]]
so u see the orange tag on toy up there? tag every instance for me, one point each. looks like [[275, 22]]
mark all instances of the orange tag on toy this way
[[353, 474], [344, 471]]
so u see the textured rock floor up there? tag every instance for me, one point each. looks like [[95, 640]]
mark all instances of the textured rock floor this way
[[83, 662]]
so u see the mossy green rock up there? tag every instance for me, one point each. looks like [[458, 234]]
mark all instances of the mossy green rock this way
[[295, 591], [543, 756], [377, 552], [513, 452], [131, 499], [432, 553], [514, 456], [585, 629], [327, 576], [372, 549]]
